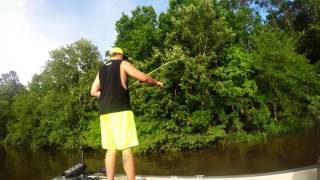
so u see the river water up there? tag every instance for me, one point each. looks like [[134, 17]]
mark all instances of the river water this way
[[279, 153]]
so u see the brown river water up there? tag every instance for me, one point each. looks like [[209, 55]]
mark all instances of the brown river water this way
[[278, 153]]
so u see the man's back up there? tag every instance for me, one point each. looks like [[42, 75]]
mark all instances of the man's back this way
[[114, 95]]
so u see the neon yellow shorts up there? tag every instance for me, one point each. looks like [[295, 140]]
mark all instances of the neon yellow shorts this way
[[118, 130]]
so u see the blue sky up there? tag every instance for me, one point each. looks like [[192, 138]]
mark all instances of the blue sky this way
[[32, 28]]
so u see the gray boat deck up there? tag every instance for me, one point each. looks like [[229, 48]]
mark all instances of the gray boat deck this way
[[306, 173]]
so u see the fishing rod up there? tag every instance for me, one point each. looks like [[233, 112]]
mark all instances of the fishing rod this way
[[160, 67], [164, 65]]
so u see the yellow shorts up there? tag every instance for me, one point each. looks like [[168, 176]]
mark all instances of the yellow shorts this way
[[118, 130]]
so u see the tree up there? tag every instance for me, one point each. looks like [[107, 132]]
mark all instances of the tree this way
[[9, 87], [301, 16], [56, 109], [284, 77], [138, 34]]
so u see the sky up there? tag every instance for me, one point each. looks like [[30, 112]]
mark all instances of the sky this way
[[30, 29]]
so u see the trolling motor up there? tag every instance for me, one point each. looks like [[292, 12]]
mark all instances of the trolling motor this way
[[76, 171]]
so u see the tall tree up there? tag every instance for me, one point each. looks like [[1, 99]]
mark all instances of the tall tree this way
[[57, 108], [284, 77], [138, 34], [301, 16], [9, 87]]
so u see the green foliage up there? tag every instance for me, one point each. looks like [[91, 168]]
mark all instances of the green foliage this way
[[57, 108], [298, 16], [200, 121], [284, 77], [314, 109], [9, 88], [200, 28], [138, 34], [92, 135], [309, 43]]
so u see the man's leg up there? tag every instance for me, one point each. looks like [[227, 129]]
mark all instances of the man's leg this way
[[128, 163], [110, 163]]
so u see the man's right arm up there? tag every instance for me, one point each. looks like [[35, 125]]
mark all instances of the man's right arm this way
[[95, 88], [135, 73]]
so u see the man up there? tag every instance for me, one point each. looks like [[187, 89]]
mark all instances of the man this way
[[118, 130]]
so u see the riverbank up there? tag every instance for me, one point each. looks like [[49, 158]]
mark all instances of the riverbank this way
[[272, 130], [196, 142], [193, 143]]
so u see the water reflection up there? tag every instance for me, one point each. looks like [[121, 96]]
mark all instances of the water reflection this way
[[291, 151]]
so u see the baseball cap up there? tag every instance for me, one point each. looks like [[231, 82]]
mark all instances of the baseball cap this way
[[116, 50]]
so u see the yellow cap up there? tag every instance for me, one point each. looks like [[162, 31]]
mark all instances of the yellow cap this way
[[116, 50]]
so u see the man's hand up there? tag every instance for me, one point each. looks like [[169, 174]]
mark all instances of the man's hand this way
[[159, 83]]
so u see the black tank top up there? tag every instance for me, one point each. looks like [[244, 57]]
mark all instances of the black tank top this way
[[113, 97]]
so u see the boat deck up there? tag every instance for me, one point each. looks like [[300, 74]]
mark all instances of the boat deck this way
[[305, 173]]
